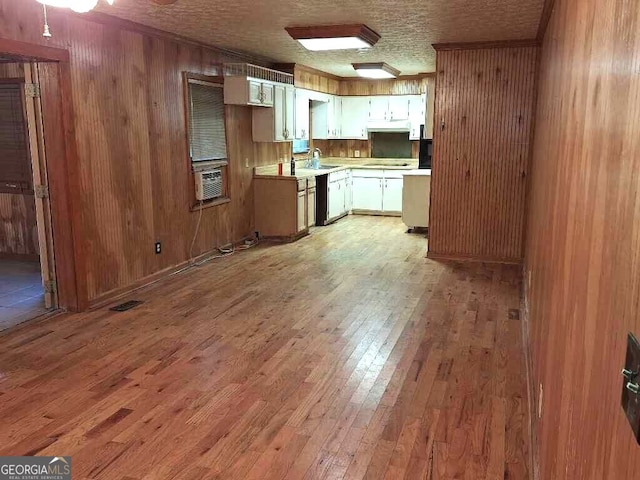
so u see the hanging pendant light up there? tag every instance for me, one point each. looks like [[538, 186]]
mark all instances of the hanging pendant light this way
[[79, 6], [55, 3]]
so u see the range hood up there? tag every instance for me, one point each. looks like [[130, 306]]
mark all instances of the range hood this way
[[396, 126]]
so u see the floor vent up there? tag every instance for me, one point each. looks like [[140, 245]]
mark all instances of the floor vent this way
[[123, 307]]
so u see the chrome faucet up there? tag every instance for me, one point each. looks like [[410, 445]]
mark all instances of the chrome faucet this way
[[316, 158], [313, 160]]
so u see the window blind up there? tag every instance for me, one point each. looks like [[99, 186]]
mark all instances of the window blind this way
[[207, 129], [15, 164]]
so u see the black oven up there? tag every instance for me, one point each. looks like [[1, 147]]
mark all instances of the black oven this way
[[426, 151]]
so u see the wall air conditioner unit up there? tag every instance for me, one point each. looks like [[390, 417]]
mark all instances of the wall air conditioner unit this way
[[208, 184]]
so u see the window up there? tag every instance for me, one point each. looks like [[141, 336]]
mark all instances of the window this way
[[15, 162], [207, 134]]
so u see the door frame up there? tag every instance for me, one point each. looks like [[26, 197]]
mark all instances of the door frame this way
[[63, 168]]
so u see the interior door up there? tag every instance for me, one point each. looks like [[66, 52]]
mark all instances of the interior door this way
[[392, 195], [367, 193], [35, 129]]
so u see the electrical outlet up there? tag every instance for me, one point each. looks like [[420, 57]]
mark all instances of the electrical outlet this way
[[540, 397], [356, 153], [246, 163], [158, 248]]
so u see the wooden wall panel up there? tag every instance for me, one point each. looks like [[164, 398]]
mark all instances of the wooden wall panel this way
[[18, 230], [347, 148], [397, 86], [11, 70], [483, 117], [582, 248], [315, 80], [130, 137]]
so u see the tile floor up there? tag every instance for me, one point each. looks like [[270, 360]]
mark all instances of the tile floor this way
[[21, 292]]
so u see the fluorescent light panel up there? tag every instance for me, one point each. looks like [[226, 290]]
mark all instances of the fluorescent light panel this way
[[334, 37], [337, 43], [375, 70]]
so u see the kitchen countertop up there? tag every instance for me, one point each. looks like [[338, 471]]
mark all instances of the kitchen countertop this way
[[271, 171]]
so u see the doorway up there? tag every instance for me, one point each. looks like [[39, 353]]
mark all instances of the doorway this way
[[27, 267]]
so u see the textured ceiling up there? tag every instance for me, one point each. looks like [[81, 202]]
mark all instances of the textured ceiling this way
[[408, 27]]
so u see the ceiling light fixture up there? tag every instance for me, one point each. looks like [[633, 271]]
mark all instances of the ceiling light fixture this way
[[375, 70], [80, 6], [334, 37]]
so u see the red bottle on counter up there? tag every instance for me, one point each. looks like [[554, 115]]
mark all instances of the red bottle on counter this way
[[280, 169]]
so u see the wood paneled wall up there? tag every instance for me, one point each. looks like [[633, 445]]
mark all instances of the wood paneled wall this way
[[582, 250], [483, 118], [18, 229], [347, 148], [11, 70], [414, 85], [310, 79], [130, 135]]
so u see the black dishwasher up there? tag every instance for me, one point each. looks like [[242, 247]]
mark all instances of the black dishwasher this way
[[322, 200]]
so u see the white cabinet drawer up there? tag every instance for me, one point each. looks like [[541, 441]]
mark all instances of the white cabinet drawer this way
[[336, 176], [393, 173], [367, 173]]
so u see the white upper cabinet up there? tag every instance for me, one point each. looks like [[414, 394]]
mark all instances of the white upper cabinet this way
[[302, 114], [348, 117], [319, 117], [334, 113], [326, 117], [276, 124], [398, 107], [417, 114], [378, 107], [244, 91], [355, 115]]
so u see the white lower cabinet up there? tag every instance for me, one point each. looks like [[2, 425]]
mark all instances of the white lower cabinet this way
[[392, 195], [311, 207], [302, 210], [348, 192], [336, 198], [377, 191], [367, 193]]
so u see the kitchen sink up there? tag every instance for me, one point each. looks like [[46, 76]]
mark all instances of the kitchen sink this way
[[386, 165], [326, 167]]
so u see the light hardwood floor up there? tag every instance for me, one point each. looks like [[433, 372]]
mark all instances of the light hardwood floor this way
[[344, 355]]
